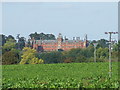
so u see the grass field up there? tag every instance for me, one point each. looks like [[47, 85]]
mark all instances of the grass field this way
[[71, 75]]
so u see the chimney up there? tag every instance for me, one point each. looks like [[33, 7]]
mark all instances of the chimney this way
[[77, 38], [73, 38], [65, 37], [85, 39], [33, 38]]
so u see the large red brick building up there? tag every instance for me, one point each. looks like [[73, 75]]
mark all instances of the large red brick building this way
[[59, 44]]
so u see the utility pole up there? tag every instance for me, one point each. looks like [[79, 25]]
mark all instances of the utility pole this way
[[95, 45], [110, 61]]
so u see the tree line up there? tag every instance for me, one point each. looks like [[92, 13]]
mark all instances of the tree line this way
[[15, 52]]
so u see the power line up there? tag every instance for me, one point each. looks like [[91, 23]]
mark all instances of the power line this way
[[95, 45], [110, 61]]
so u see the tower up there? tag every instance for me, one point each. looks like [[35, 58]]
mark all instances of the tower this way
[[59, 39], [85, 41]]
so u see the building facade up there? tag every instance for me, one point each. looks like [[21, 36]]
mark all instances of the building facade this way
[[58, 44]]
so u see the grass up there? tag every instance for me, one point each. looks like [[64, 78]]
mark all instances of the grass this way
[[71, 75]]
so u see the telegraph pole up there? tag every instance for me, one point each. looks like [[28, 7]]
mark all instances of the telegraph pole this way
[[95, 45], [110, 61]]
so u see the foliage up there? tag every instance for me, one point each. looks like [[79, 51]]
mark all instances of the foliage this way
[[73, 55], [29, 57], [2, 39], [79, 54], [10, 57], [51, 57], [29, 44], [9, 54], [101, 43], [10, 44], [36, 61], [72, 75], [42, 36], [9, 37], [115, 47], [21, 43], [102, 54]]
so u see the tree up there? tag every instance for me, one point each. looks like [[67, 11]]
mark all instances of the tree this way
[[3, 39], [36, 61], [29, 56], [115, 51], [103, 43], [21, 43], [80, 58], [10, 44], [35, 35], [10, 37], [79, 54], [51, 57], [102, 54], [116, 46], [42, 36], [10, 57], [29, 44], [72, 54]]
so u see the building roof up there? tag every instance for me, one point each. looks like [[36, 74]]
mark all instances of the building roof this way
[[55, 41]]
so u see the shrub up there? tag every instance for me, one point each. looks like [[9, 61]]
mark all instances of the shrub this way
[[9, 57], [29, 56]]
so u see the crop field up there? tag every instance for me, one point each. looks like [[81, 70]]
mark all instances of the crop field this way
[[71, 75]]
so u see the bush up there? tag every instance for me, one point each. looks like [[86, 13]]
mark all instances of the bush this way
[[10, 57], [29, 56], [36, 61], [52, 57]]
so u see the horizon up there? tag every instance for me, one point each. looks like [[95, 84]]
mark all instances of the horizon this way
[[71, 19], [62, 37]]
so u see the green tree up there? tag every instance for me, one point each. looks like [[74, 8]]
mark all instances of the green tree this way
[[36, 61], [21, 43], [29, 56], [103, 43], [79, 54], [51, 57], [115, 51], [10, 44], [115, 46], [9, 37], [10, 57], [102, 54], [72, 54], [38, 36], [2, 39]]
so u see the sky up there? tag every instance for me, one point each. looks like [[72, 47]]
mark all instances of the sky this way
[[72, 19], [0, 17]]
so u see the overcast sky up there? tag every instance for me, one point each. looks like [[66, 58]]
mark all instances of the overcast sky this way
[[72, 19]]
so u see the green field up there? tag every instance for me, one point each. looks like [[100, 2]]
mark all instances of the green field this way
[[71, 75]]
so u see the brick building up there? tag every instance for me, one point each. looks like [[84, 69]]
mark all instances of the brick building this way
[[58, 44]]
